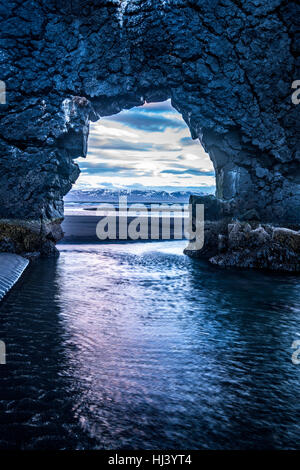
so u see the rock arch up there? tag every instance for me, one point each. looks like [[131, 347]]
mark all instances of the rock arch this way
[[227, 66]]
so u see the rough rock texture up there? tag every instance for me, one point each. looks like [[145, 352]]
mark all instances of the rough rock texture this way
[[26, 236], [263, 247], [229, 242], [227, 66]]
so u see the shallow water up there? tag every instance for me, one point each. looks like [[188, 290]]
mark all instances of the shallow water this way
[[136, 346]]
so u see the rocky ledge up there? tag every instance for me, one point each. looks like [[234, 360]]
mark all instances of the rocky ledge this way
[[252, 245], [30, 237], [243, 240]]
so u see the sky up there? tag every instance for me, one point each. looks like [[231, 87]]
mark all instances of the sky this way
[[146, 147]]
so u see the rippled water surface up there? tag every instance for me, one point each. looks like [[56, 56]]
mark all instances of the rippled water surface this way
[[137, 346]]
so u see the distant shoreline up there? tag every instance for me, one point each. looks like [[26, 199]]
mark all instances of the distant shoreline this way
[[118, 209], [82, 229]]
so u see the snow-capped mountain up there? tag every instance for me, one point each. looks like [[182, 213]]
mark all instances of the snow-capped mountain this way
[[134, 195]]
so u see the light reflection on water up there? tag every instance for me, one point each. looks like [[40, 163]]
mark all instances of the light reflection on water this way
[[137, 346]]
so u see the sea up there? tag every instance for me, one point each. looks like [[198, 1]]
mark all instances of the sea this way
[[137, 346]]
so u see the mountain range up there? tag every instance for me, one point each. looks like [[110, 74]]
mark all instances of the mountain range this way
[[133, 195]]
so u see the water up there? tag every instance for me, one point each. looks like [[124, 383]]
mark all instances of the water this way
[[135, 346], [146, 209]]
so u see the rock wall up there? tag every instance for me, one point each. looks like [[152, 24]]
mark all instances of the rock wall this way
[[227, 66]]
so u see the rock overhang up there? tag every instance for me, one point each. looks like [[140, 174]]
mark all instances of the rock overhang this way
[[227, 67]]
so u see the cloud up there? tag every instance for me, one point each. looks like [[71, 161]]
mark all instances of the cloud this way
[[98, 144], [187, 141], [118, 144], [189, 171], [189, 157], [161, 107], [100, 130], [101, 168], [149, 146], [147, 122], [105, 169]]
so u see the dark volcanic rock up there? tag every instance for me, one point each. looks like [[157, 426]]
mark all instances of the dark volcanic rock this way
[[20, 237], [227, 66], [264, 247]]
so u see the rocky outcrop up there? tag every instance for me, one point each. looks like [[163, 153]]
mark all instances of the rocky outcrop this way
[[29, 236], [262, 247], [227, 66], [250, 245], [243, 243]]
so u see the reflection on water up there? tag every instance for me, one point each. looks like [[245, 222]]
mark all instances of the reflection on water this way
[[137, 346]]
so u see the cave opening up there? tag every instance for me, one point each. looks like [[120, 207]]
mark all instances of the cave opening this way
[[144, 155]]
